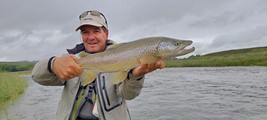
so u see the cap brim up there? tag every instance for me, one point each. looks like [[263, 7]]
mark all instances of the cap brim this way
[[93, 23]]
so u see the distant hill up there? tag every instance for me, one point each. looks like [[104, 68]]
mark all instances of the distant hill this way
[[256, 50], [240, 57]]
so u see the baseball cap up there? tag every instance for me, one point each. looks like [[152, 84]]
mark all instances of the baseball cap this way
[[94, 18]]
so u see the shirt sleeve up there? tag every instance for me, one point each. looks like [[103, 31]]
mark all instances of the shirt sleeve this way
[[41, 75], [131, 87]]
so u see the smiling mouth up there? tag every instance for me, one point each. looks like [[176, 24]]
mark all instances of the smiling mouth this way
[[91, 42]]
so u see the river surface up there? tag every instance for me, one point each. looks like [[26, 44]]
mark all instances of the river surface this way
[[195, 93]]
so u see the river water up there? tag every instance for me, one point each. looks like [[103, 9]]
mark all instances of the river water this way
[[194, 93]]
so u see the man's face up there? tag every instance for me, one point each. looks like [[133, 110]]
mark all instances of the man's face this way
[[94, 38]]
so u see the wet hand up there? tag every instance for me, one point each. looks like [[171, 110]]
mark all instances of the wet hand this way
[[66, 68], [147, 68]]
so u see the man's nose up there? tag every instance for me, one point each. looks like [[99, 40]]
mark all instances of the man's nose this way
[[91, 36]]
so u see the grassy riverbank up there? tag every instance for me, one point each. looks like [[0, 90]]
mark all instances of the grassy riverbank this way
[[12, 84], [241, 57]]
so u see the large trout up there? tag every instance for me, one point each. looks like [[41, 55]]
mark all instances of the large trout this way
[[120, 58]]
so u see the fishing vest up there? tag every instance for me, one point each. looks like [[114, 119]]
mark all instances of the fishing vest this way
[[84, 103]]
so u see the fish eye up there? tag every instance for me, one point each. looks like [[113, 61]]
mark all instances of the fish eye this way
[[177, 44]]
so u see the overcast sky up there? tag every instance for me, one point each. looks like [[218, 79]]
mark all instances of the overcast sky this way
[[38, 29]]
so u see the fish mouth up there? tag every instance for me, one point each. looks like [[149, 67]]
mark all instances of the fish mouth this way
[[186, 50]]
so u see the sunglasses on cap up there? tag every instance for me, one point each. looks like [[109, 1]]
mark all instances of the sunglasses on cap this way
[[93, 13]]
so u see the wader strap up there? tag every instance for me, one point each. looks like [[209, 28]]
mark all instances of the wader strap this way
[[78, 103]]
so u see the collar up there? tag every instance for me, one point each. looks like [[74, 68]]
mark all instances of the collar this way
[[80, 47]]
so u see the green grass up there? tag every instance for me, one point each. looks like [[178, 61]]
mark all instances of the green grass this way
[[16, 66], [242, 57], [12, 84]]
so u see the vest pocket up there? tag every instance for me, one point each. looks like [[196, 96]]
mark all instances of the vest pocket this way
[[108, 95]]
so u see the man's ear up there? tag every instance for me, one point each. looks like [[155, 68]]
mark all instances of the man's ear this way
[[105, 30], [106, 33]]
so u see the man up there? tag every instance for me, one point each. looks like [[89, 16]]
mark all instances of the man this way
[[100, 99]]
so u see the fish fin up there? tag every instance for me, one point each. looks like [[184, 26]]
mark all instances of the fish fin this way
[[119, 77], [83, 54], [113, 46], [148, 60], [88, 76]]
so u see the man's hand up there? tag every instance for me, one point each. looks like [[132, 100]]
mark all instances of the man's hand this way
[[147, 68], [66, 68]]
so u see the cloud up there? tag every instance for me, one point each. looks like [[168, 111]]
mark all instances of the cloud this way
[[34, 30], [33, 45], [248, 38]]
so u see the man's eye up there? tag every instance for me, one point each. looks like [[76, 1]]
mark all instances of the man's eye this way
[[84, 32], [97, 30]]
